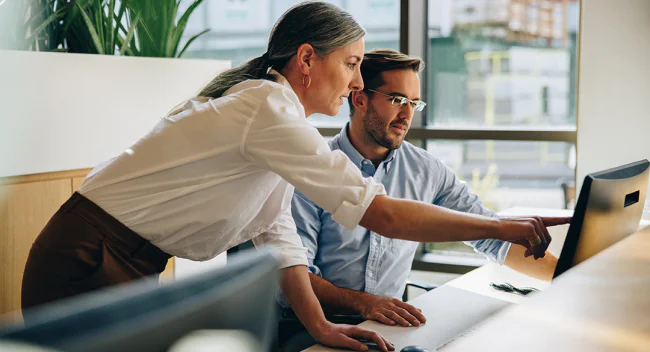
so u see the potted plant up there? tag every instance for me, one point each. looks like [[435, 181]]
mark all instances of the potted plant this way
[[152, 28]]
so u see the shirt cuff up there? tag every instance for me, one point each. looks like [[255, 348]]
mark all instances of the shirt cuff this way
[[503, 252], [293, 258], [349, 214]]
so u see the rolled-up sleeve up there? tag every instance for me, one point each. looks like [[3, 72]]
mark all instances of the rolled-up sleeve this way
[[283, 236], [455, 194], [307, 218], [281, 139]]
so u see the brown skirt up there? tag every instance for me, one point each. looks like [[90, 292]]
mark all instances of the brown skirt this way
[[83, 248]]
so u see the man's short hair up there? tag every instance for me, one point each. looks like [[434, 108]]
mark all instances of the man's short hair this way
[[377, 61]]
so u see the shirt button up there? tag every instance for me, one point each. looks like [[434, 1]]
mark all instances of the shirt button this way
[[375, 242], [370, 274], [366, 162]]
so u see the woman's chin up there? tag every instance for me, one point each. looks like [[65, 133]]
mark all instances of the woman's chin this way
[[334, 110], [330, 112]]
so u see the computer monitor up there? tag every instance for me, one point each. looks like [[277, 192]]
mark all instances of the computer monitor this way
[[144, 316], [609, 208]]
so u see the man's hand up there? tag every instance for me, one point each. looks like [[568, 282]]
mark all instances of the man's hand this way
[[390, 311], [529, 232], [339, 335]]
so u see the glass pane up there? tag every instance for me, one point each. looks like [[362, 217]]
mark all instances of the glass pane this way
[[240, 31], [506, 174], [502, 63]]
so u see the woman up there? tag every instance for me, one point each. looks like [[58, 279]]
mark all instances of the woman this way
[[221, 170]]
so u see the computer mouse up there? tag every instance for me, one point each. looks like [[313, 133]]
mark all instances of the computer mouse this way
[[414, 349]]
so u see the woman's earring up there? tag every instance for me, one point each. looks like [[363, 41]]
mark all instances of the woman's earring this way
[[308, 81]]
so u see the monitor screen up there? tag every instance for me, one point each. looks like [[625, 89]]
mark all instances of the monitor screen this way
[[144, 316], [609, 208]]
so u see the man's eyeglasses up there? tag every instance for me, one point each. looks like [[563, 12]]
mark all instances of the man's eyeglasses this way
[[417, 105]]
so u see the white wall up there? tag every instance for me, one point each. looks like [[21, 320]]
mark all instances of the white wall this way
[[614, 84], [186, 268], [71, 111], [62, 111]]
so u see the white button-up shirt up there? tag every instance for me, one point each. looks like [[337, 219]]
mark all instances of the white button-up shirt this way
[[222, 171]]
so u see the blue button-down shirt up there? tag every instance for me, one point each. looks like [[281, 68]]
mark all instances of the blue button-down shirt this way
[[366, 261]]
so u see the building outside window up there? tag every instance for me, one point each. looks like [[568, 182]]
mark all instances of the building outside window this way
[[504, 66]]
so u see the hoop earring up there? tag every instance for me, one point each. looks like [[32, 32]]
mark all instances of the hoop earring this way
[[308, 82]]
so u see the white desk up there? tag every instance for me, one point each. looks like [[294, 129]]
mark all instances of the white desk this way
[[476, 281], [600, 305]]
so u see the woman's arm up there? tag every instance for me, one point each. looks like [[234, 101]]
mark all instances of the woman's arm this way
[[421, 222]]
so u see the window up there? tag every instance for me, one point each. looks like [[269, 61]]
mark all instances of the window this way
[[507, 174], [501, 84], [240, 30], [502, 64]]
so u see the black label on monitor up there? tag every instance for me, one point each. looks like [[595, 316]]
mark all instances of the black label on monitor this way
[[631, 198]]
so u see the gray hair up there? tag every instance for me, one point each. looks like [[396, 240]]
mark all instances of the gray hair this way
[[325, 26]]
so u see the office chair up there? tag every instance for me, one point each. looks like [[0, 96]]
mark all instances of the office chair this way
[[418, 284], [569, 192]]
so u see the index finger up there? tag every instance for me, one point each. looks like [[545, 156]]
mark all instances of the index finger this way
[[554, 221]]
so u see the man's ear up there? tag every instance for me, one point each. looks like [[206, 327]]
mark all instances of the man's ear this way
[[306, 55], [359, 101]]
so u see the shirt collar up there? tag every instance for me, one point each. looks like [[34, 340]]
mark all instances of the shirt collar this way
[[346, 147], [279, 78]]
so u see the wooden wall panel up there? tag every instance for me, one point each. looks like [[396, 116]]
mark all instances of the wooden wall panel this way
[[26, 204], [25, 208], [77, 182], [168, 274]]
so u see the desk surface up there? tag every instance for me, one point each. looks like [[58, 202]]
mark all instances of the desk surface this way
[[600, 305], [478, 280]]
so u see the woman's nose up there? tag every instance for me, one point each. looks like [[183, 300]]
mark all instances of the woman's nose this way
[[357, 82]]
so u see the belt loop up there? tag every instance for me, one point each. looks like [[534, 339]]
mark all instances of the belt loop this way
[[71, 202]]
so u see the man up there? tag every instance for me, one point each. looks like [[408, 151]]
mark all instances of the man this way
[[361, 272]]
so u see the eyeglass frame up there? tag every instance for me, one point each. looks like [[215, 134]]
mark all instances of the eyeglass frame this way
[[404, 100]]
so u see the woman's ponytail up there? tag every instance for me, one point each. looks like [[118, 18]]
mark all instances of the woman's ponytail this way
[[253, 69]]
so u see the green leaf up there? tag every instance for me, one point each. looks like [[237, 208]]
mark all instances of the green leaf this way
[[96, 9], [91, 30], [118, 19], [191, 40], [131, 51], [159, 28], [131, 44], [182, 23], [129, 36], [109, 26]]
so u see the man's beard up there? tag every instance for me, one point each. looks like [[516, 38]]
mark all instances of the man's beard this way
[[377, 132]]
